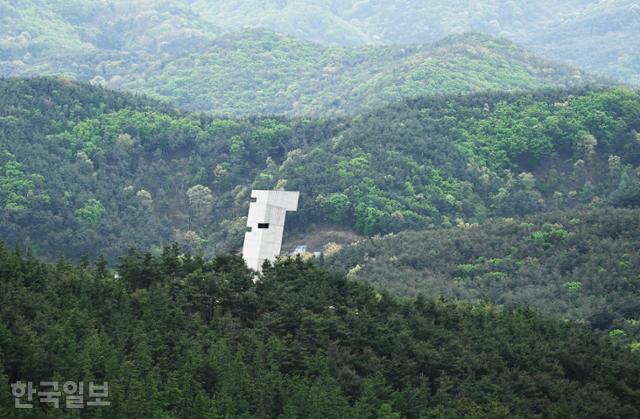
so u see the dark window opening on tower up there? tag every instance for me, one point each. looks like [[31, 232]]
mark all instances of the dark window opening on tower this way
[[254, 199], [263, 225]]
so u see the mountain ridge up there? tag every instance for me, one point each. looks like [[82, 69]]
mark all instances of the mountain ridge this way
[[568, 31], [93, 164], [261, 72]]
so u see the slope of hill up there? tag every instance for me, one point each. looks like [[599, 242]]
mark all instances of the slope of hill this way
[[94, 171], [181, 336], [46, 28], [598, 36], [574, 265], [259, 72]]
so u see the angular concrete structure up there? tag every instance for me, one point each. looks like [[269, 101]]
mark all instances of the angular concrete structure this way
[[265, 225]]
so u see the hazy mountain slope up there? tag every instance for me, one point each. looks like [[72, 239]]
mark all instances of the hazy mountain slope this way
[[376, 21], [95, 171], [182, 336], [259, 72], [574, 265], [33, 29], [600, 36], [317, 21]]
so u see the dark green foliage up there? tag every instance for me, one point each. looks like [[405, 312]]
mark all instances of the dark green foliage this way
[[94, 172], [180, 336], [573, 265]]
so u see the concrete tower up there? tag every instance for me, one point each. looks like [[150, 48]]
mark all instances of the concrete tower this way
[[265, 225]]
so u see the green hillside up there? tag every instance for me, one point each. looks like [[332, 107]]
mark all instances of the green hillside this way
[[259, 72], [469, 208], [601, 37], [33, 29], [182, 336], [94, 171], [124, 43], [581, 265]]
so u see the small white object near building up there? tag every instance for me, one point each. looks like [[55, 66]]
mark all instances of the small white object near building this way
[[265, 225], [300, 250]]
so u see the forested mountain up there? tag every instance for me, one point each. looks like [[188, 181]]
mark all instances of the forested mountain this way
[[89, 171], [45, 28], [181, 336], [122, 40], [600, 36], [470, 211], [578, 265], [259, 72]]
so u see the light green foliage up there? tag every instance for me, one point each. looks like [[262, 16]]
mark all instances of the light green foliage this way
[[467, 269], [335, 206], [495, 276], [524, 132], [409, 166], [151, 128], [573, 286], [17, 189], [271, 134], [616, 333], [550, 235], [500, 144], [237, 148], [91, 212], [14, 187], [368, 219]]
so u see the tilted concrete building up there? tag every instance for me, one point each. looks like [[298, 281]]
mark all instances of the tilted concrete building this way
[[265, 225]]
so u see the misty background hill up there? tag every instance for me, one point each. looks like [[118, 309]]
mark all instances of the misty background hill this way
[[602, 37], [261, 72]]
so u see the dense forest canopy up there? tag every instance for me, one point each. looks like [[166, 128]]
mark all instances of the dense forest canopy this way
[[181, 336], [601, 36], [577, 265], [259, 72], [470, 210], [81, 37], [89, 171]]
